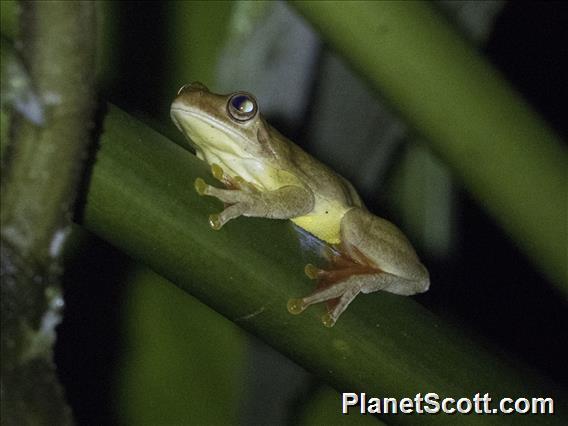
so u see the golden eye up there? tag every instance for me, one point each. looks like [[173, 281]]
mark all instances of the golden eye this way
[[242, 106]]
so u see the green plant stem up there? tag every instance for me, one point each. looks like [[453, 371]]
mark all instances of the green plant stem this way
[[141, 199], [505, 154], [50, 131]]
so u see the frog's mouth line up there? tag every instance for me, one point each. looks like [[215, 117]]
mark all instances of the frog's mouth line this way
[[206, 118], [220, 127]]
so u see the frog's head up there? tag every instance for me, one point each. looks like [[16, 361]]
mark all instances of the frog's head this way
[[225, 128]]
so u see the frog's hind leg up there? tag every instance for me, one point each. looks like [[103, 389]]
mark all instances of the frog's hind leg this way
[[342, 266], [343, 292], [339, 294], [335, 285], [368, 244]]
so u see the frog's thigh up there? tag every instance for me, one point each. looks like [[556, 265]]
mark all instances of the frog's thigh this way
[[377, 239], [387, 282], [364, 284], [382, 243]]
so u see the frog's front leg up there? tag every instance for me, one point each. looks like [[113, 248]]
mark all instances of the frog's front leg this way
[[244, 199], [374, 255]]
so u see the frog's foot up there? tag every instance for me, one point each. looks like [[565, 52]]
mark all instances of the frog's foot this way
[[342, 293], [236, 202], [238, 197], [337, 286]]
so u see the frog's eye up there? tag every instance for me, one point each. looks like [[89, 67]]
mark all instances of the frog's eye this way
[[242, 106]]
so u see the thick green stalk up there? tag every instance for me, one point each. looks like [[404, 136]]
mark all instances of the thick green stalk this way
[[505, 154], [141, 199], [51, 100]]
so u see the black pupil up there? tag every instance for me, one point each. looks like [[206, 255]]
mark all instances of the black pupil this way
[[242, 104]]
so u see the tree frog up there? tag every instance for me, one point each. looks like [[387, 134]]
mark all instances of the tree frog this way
[[266, 175]]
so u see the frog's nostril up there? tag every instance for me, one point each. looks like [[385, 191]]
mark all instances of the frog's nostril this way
[[196, 85]]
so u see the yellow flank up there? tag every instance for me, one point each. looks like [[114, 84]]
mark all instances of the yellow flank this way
[[324, 222]]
